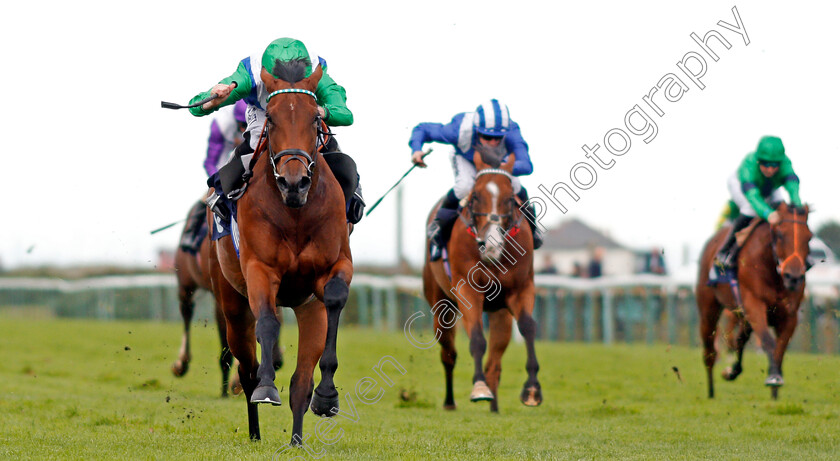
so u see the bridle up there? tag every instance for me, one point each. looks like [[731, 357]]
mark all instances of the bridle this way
[[300, 155], [493, 218], [780, 267]]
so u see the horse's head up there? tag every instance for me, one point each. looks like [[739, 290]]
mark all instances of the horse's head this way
[[492, 203], [790, 244], [293, 121]]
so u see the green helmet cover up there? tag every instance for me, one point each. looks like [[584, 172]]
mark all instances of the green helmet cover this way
[[770, 149], [285, 49]]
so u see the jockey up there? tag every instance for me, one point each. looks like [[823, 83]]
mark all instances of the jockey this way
[[489, 125], [225, 134], [759, 180], [245, 84]]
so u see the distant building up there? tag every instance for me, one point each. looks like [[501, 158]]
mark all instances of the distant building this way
[[575, 242]]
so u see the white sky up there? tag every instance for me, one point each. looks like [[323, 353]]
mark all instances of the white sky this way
[[92, 163]]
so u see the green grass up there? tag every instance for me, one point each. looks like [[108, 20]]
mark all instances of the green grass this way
[[103, 390]]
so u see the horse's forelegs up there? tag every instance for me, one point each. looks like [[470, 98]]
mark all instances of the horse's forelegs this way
[[501, 326], [531, 393], [784, 331], [185, 298], [267, 330], [325, 400]]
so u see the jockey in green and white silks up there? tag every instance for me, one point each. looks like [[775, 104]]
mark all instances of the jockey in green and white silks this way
[[759, 180], [245, 84]]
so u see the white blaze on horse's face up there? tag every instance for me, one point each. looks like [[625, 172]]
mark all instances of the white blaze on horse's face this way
[[493, 235]]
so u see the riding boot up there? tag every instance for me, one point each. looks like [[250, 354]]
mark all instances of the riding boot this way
[[191, 237], [440, 227], [728, 253], [531, 218]]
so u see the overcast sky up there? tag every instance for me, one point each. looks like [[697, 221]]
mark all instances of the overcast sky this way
[[92, 163]]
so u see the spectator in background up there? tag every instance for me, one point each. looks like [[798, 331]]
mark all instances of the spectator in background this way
[[548, 266], [595, 269], [654, 262]]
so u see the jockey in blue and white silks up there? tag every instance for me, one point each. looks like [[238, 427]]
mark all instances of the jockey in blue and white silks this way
[[489, 125]]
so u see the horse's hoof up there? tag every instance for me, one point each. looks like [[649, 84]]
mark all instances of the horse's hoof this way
[[480, 392], [531, 396], [180, 368], [774, 381], [266, 394], [324, 406], [450, 406], [729, 374]]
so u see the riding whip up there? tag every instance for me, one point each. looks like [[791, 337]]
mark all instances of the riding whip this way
[[396, 184]]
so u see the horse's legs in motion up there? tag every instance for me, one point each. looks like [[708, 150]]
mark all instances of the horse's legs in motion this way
[[501, 326], [732, 372], [225, 357], [312, 334], [756, 312], [241, 339], [186, 291], [785, 325], [709, 313], [325, 400]]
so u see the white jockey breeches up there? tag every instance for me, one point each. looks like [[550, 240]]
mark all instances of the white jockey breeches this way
[[465, 177], [740, 199]]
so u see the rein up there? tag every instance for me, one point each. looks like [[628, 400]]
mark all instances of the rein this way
[[780, 268]]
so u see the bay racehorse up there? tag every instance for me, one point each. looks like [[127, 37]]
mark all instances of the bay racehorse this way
[[490, 253], [294, 251], [192, 274], [771, 283]]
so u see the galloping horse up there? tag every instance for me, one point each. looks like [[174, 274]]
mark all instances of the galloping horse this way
[[771, 276], [192, 273], [491, 254], [294, 251]]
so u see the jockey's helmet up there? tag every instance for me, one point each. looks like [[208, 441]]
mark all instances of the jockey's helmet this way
[[492, 119], [285, 50], [770, 149]]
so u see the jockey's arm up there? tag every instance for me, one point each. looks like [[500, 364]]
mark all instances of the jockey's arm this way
[[333, 98], [243, 86], [791, 182], [517, 145]]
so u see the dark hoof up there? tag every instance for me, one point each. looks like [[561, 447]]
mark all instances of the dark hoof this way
[[179, 368], [730, 373], [266, 394], [324, 406], [531, 396]]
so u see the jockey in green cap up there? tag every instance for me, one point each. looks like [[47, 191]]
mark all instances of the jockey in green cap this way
[[759, 180], [245, 84]]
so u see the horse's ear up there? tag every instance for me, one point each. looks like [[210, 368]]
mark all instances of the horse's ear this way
[[269, 80], [507, 165], [311, 82]]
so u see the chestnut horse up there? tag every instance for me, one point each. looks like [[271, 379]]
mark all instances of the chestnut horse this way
[[491, 254], [192, 274], [294, 251], [771, 275]]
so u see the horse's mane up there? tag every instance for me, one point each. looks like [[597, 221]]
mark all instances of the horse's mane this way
[[291, 71], [492, 156]]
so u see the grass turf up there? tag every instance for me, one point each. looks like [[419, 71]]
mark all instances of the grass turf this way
[[74, 389]]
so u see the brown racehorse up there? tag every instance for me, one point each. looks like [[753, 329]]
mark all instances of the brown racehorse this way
[[491, 257], [294, 252], [771, 275], [192, 274]]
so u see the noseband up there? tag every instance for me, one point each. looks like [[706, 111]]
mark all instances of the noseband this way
[[780, 267], [297, 154], [493, 218]]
